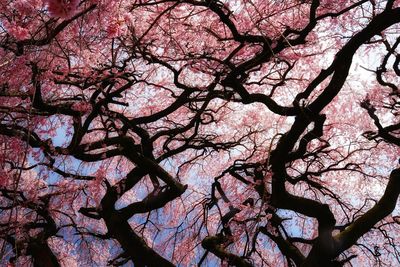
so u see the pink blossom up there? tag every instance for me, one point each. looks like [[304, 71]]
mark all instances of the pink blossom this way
[[62, 8], [3, 178], [25, 7], [129, 19], [113, 29], [82, 107], [16, 31]]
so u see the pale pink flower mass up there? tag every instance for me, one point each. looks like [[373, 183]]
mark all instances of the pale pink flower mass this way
[[16, 31]]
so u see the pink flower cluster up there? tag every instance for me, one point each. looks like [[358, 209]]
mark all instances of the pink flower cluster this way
[[62, 8], [17, 31], [113, 29], [83, 107]]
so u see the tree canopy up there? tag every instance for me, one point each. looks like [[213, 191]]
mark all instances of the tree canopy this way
[[199, 132]]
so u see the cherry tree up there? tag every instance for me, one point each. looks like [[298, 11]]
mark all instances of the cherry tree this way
[[199, 132]]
